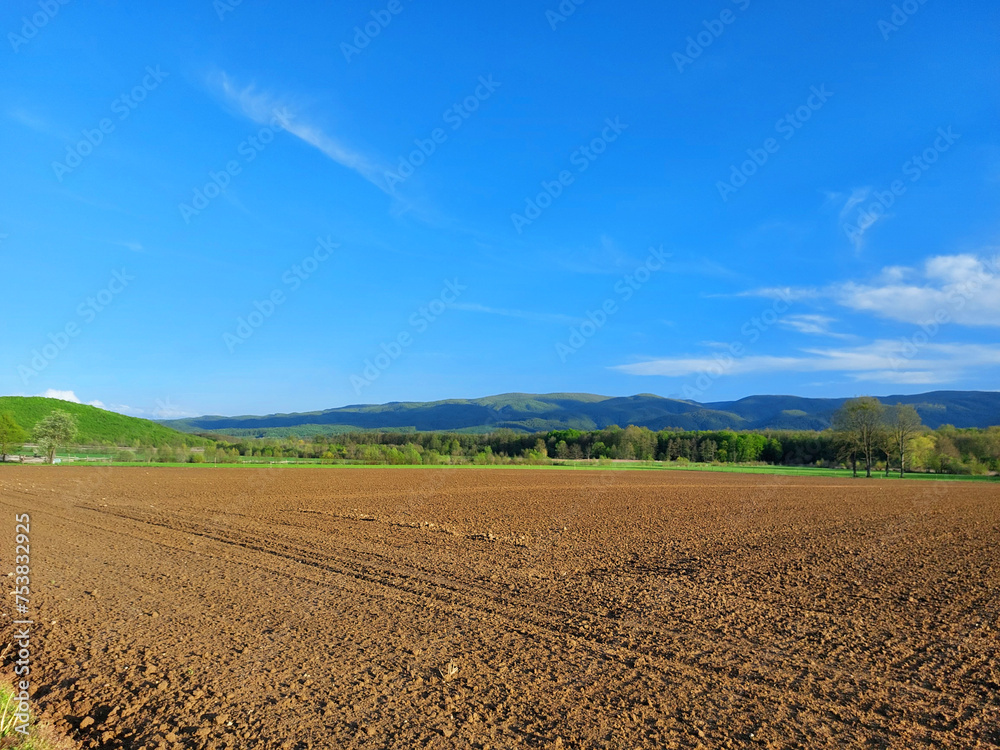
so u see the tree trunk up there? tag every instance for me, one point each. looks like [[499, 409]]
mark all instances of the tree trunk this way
[[868, 466], [901, 464], [854, 465]]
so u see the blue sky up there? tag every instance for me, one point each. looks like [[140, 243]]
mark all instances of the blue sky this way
[[255, 207]]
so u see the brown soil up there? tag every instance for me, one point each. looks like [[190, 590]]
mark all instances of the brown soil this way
[[291, 608]]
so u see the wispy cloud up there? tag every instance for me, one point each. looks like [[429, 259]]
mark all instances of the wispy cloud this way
[[262, 107], [857, 197], [35, 122], [812, 325], [522, 314], [855, 221], [884, 361], [787, 293], [604, 257]]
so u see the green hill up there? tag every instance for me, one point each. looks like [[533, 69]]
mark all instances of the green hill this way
[[95, 425]]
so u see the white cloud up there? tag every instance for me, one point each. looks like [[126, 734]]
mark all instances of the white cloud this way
[[61, 395], [787, 293], [812, 325], [885, 361], [69, 396], [962, 289], [164, 408], [895, 274], [857, 221], [262, 107], [857, 197], [914, 377]]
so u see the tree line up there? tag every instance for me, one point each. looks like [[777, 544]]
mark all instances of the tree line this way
[[865, 434]]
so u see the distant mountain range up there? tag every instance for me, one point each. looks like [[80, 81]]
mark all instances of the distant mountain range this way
[[583, 411]]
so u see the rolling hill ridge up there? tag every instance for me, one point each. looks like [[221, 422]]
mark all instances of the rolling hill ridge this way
[[539, 412], [94, 425]]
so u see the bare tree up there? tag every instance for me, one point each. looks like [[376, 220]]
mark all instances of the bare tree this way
[[860, 425], [847, 450], [902, 425]]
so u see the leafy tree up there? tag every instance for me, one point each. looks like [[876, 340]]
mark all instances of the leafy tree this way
[[772, 452], [708, 450], [57, 429], [859, 424], [11, 434]]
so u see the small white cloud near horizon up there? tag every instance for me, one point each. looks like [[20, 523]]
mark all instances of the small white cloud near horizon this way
[[69, 396], [884, 361], [262, 107], [164, 408], [61, 395]]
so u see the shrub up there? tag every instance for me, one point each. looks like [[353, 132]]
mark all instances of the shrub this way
[[196, 458], [124, 456]]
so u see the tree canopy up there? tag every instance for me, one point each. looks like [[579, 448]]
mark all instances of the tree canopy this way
[[11, 434], [57, 429]]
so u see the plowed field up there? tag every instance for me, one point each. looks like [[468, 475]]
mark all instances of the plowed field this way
[[349, 608]]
